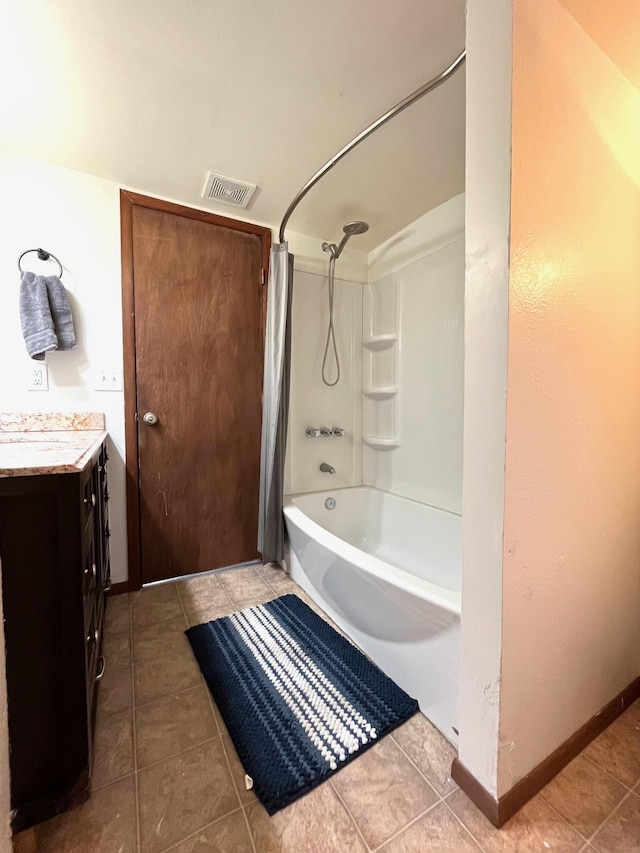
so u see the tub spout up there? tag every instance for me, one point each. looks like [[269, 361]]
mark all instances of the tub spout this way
[[327, 469]]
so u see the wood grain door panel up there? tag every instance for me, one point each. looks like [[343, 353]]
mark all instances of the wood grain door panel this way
[[198, 360]]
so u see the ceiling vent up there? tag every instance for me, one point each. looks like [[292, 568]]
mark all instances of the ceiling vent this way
[[228, 190]]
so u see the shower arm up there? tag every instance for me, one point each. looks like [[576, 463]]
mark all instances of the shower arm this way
[[394, 111]]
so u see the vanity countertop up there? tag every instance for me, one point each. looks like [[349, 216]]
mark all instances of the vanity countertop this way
[[51, 443]]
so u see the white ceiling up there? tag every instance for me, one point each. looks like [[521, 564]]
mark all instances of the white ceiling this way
[[153, 93]]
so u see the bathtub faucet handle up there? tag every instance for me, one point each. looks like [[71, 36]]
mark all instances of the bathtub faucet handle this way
[[325, 431], [338, 431], [327, 469], [312, 432]]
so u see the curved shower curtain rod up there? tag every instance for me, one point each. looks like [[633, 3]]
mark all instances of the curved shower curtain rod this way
[[384, 118]]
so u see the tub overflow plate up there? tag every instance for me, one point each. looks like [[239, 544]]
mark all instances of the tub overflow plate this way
[[330, 503]]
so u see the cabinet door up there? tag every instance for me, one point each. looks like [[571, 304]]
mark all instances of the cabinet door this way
[[103, 533]]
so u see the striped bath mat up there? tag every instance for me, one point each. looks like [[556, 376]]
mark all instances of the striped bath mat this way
[[298, 699]]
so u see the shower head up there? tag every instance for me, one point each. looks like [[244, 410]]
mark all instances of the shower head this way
[[351, 228], [357, 227]]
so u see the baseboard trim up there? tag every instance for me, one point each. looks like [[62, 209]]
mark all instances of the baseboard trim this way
[[118, 588], [500, 810]]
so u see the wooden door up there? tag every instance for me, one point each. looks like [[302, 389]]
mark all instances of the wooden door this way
[[198, 302]]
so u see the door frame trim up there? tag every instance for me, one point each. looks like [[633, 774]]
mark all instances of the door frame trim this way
[[129, 200]]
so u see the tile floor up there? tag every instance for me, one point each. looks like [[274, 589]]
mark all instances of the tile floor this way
[[167, 777]]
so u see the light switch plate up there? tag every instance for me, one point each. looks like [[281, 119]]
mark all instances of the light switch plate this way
[[108, 379]]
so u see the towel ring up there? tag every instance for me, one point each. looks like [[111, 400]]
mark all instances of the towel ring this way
[[43, 255]]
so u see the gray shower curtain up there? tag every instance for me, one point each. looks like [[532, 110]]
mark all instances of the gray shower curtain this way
[[275, 404]]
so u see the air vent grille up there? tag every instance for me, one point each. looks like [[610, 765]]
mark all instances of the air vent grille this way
[[228, 190]]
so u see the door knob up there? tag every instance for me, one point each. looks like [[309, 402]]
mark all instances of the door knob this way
[[150, 418]]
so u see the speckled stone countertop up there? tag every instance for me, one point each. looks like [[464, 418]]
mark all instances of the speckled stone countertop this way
[[48, 443]]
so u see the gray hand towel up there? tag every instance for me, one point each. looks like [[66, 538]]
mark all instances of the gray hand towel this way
[[35, 315], [61, 313]]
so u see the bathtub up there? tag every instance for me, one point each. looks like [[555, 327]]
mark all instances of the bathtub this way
[[388, 571]]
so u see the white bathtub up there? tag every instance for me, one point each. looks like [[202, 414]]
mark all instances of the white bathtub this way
[[388, 571]]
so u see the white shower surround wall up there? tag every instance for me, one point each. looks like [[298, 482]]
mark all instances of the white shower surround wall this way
[[388, 571]]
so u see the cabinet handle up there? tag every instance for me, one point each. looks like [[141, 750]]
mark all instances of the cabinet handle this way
[[86, 501], [103, 665], [94, 570], [96, 636], [107, 586]]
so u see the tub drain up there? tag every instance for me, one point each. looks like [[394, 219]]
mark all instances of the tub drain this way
[[330, 503]]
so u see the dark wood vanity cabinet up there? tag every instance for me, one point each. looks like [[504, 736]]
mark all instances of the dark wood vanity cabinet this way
[[54, 551]]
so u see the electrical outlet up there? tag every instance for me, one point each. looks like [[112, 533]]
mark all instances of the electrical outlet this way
[[38, 377], [108, 379]]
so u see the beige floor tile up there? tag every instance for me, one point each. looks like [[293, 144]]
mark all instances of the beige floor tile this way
[[115, 691], [173, 724], [617, 750], [266, 571], [621, 832], [583, 794], [113, 749], [171, 674], [316, 823], [383, 791], [199, 612], [203, 588], [179, 796], [237, 771], [159, 641], [633, 713], [227, 835], [243, 584], [428, 750], [277, 578], [284, 586], [155, 604], [218, 716], [243, 604], [535, 828], [106, 823], [117, 616], [116, 648], [25, 842], [437, 832]]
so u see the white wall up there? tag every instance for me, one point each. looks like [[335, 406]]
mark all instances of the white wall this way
[[76, 217], [488, 71], [312, 402], [429, 295]]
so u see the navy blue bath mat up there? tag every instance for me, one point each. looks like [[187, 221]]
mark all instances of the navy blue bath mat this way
[[298, 699]]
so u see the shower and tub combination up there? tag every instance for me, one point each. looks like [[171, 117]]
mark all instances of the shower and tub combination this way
[[385, 568], [388, 571]]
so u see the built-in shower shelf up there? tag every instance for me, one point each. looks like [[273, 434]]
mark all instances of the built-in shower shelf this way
[[378, 342], [380, 392], [379, 442]]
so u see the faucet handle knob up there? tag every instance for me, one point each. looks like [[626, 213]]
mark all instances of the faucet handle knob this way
[[312, 432], [325, 431], [338, 431]]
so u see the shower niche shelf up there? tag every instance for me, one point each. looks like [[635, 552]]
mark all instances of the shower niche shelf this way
[[380, 392], [381, 350], [380, 442], [378, 342]]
